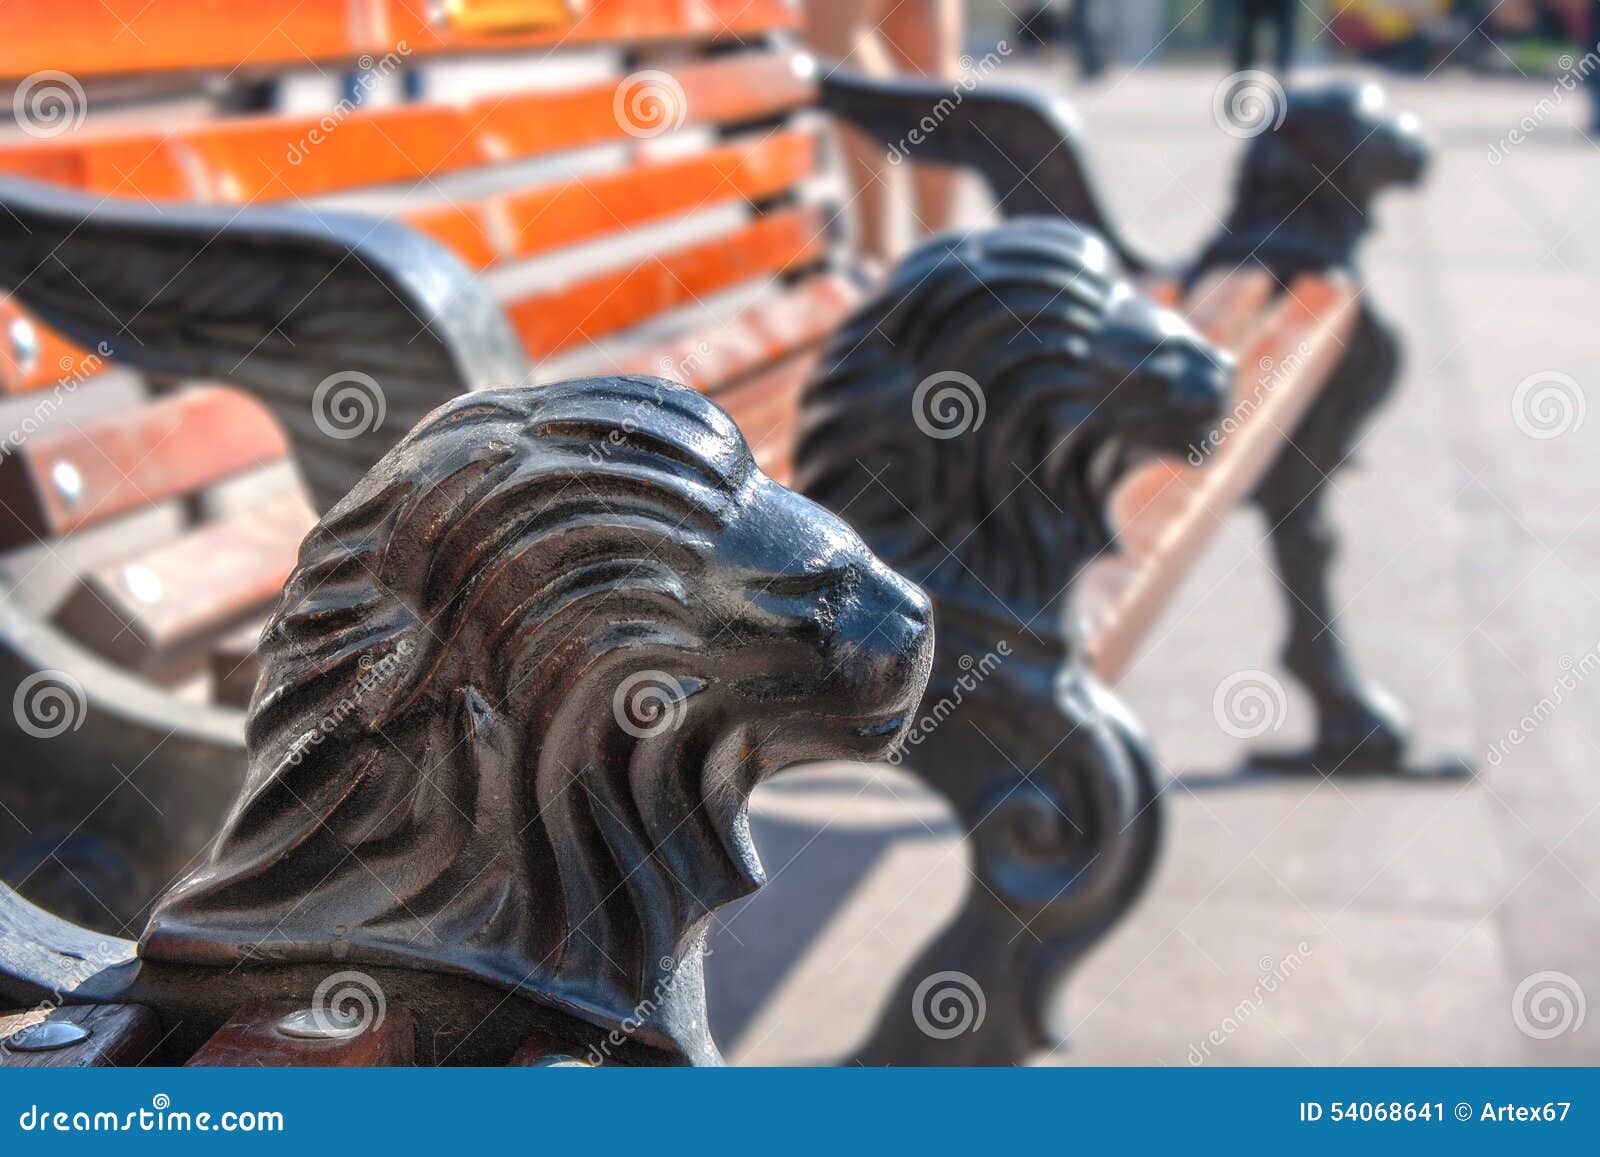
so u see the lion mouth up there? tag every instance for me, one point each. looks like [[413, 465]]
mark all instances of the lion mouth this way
[[876, 727]]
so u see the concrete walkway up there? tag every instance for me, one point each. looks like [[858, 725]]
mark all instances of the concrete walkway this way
[[1469, 585]]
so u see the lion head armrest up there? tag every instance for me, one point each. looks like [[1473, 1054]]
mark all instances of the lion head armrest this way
[[513, 703], [973, 420], [1026, 145], [350, 329]]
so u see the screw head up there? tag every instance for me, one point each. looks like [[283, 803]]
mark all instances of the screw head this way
[[24, 344], [68, 482], [46, 1036], [318, 1024]]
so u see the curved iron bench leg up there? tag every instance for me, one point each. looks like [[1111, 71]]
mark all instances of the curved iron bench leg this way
[[970, 423]]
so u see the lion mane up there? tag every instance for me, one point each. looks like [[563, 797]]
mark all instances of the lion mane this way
[[965, 422], [437, 760]]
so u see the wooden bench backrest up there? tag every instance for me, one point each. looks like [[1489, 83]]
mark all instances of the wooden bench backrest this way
[[637, 185]]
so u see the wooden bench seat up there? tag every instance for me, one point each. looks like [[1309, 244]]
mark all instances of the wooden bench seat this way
[[1286, 342], [658, 203]]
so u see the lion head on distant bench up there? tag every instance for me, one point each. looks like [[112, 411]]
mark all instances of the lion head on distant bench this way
[[971, 419], [519, 689], [1305, 192]]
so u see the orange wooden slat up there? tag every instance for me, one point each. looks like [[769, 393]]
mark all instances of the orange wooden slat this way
[[533, 221], [609, 302], [767, 410], [1228, 306], [741, 87], [710, 357], [60, 480], [274, 1034], [149, 613], [1174, 509], [51, 358], [88, 38], [248, 159]]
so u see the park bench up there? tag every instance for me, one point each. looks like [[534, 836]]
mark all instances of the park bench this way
[[1049, 572], [654, 200]]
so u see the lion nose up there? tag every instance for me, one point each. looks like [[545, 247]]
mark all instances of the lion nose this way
[[907, 624]]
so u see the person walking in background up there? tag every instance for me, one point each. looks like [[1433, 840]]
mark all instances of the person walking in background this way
[[1594, 73], [1252, 14], [884, 38]]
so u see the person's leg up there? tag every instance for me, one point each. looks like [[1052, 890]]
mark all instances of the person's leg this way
[[1285, 30], [1244, 48], [842, 31], [1594, 74], [924, 37]]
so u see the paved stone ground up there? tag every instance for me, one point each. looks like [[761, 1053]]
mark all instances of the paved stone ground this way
[[1469, 584]]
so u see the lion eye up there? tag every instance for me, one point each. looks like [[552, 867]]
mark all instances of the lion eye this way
[[794, 586]]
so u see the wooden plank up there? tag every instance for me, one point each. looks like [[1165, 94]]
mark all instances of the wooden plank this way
[[537, 220], [720, 353], [58, 481], [50, 359], [612, 301], [249, 159], [117, 1035], [767, 411], [281, 1034], [153, 613], [1175, 508], [234, 666], [106, 37], [1225, 305]]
